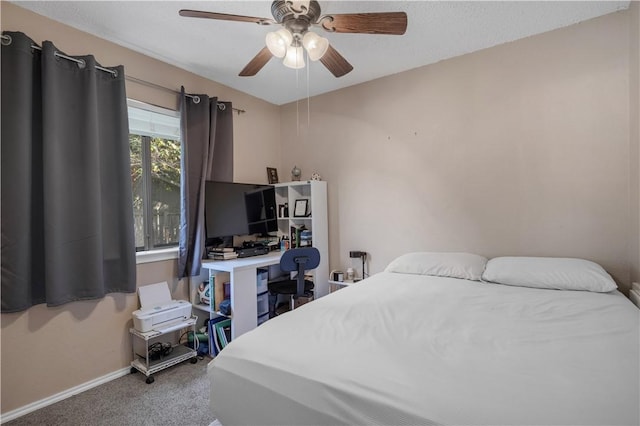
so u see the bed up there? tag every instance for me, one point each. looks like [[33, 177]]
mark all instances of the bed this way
[[443, 339]]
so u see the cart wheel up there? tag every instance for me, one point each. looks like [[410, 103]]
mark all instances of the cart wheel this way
[[193, 360], [150, 380], [133, 370]]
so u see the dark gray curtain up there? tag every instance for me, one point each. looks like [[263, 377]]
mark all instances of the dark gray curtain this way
[[67, 214], [207, 154]]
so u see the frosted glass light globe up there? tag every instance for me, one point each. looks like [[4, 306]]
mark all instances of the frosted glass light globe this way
[[316, 46], [294, 57], [278, 41]]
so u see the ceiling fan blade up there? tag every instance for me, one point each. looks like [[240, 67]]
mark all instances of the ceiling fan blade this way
[[256, 64], [225, 17], [335, 62], [393, 23]]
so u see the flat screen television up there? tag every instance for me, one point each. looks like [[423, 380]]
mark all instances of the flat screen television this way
[[238, 209]]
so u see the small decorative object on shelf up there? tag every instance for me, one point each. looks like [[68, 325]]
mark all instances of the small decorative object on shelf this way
[[316, 176], [284, 243], [283, 210], [295, 173], [272, 174], [204, 292]]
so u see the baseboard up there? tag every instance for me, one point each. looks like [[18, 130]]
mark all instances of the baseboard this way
[[29, 408]]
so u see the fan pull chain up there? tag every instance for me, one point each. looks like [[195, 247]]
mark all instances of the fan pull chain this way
[[308, 102], [297, 108]]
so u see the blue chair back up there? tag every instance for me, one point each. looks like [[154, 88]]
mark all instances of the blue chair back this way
[[303, 257], [300, 259]]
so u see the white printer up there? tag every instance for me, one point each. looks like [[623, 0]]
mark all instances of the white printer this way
[[157, 309]]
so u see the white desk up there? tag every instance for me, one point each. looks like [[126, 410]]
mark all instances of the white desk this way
[[243, 278]]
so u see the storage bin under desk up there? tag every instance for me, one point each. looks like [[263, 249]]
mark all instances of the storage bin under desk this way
[[263, 304]]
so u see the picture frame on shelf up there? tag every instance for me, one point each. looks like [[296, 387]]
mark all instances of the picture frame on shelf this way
[[272, 174], [300, 209]]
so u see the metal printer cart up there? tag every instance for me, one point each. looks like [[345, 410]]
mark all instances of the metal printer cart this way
[[142, 361]]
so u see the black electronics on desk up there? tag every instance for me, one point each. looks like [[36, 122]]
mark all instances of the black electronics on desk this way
[[251, 248]]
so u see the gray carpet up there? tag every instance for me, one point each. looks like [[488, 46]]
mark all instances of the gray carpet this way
[[179, 396]]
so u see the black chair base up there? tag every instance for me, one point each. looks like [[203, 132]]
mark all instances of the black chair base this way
[[285, 306], [286, 288]]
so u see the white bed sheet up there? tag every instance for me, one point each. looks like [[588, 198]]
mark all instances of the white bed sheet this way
[[400, 349]]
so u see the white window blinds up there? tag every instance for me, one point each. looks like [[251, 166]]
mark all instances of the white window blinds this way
[[153, 121]]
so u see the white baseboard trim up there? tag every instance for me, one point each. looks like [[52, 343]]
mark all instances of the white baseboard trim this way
[[29, 408]]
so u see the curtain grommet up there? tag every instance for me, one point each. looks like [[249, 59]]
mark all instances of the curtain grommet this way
[[222, 107], [82, 64], [196, 99], [6, 40]]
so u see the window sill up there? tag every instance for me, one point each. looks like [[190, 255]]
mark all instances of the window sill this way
[[156, 255]]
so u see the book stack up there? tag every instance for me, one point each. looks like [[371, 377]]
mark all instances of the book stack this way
[[219, 331], [223, 332], [305, 238], [222, 253], [300, 236]]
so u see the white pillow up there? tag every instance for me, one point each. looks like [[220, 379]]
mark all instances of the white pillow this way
[[549, 272], [455, 265]]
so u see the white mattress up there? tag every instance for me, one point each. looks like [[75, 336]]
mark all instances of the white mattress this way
[[400, 349]]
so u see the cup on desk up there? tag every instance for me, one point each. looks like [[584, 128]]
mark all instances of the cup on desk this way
[[350, 274], [338, 276]]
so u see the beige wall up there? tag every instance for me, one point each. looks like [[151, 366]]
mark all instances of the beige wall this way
[[49, 350], [520, 149], [634, 130]]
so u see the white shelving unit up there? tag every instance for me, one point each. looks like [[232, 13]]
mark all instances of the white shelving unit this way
[[315, 192]]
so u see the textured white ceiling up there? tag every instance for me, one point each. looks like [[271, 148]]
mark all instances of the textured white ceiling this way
[[218, 50]]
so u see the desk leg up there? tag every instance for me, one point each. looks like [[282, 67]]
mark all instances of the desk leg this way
[[244, 301]]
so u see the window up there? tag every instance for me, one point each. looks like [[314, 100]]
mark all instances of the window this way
[[154, 146]]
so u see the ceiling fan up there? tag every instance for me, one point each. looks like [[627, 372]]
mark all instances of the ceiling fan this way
[[296, 17]]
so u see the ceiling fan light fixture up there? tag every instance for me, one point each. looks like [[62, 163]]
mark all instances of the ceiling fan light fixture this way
[[294, 57], [316, 46], [278, 41], [294, 38]]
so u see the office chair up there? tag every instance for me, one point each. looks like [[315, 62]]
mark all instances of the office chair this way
[[298, 259]]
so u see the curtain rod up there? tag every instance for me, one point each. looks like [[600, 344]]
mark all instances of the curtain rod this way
[[6, 40], [196, 99]]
